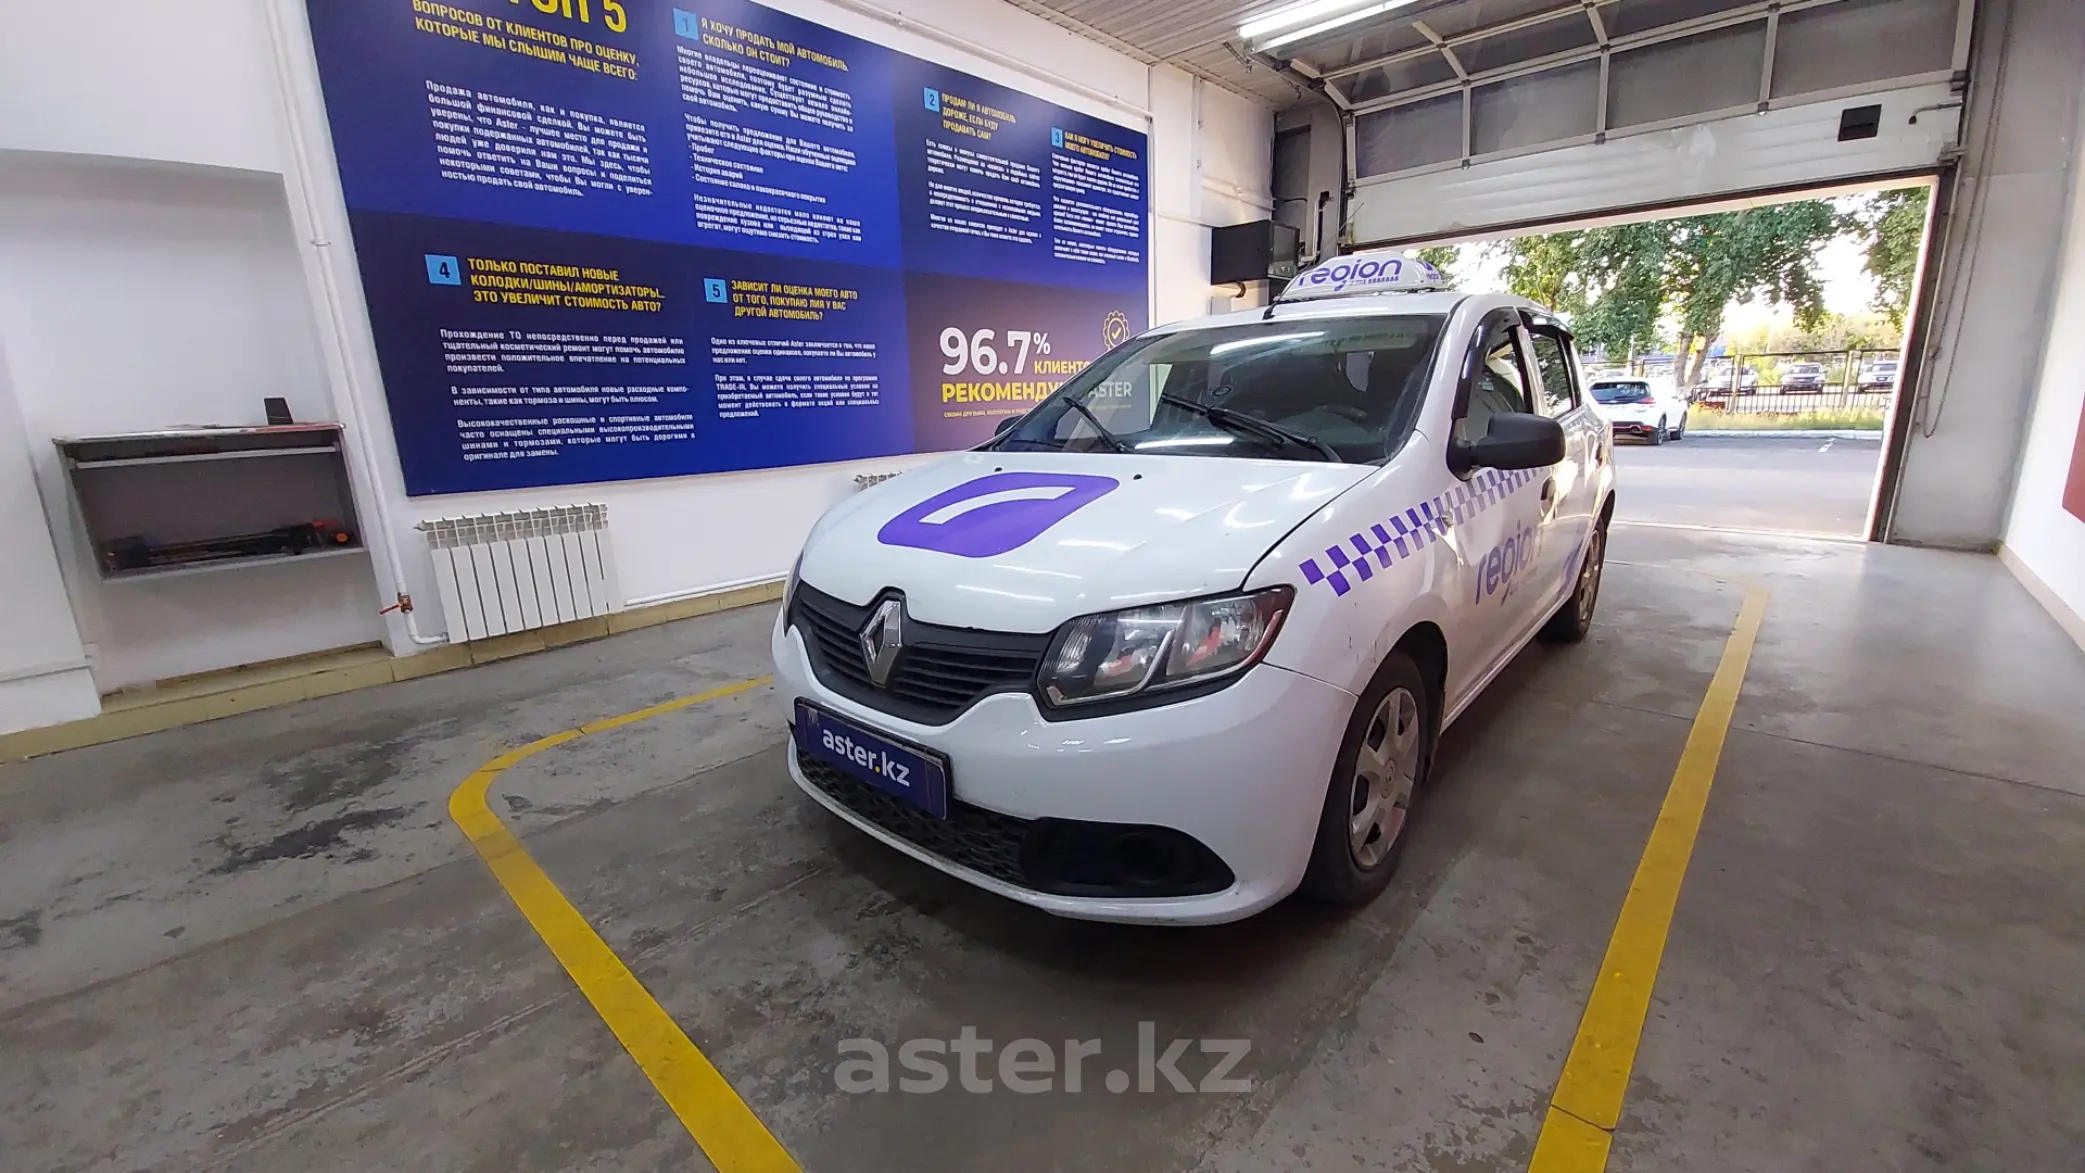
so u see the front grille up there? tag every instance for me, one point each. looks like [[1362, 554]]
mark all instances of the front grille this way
[[941, 671], [978, 839], [1063, 857]]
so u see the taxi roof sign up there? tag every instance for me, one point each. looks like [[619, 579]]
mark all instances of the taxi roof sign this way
[[1382, 271]]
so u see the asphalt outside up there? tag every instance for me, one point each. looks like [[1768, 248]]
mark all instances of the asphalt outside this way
[[261, 943], [1795, 483]]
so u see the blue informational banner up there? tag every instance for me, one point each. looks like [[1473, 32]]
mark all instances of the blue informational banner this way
[[614, 239]]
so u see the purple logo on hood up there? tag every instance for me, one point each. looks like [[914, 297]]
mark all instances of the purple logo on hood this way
[[987, 517]]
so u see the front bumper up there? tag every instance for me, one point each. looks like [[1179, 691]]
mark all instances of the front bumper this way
[[1243, 771]]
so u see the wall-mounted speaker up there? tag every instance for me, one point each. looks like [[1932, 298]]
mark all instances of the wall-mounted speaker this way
[[1258, 251]]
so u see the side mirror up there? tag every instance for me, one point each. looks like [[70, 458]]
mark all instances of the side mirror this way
[[1516, 440], [1006, 425]]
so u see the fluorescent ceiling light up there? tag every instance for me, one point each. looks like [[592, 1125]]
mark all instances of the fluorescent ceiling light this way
[[1183, 442], [1307, 12], [1310, 18], [1262, 340]]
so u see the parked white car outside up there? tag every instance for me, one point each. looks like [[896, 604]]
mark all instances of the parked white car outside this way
[[1645, 407]]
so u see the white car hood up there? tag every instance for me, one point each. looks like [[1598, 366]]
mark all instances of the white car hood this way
[[1025, 541]]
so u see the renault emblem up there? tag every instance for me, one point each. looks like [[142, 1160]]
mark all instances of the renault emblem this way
[[881, 638]]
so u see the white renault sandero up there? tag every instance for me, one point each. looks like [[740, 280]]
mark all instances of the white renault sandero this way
[[1182, 639]]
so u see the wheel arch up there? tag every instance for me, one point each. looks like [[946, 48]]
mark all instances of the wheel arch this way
[[1427, 644]]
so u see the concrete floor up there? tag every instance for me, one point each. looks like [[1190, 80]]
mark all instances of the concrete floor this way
[[1801, 484], [259, 943]]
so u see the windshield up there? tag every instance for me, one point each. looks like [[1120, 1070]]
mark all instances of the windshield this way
[[1633, 392], [1294, 390]]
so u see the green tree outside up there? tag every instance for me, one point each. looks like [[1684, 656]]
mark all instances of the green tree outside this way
[[1444, 257], [1895, 222], [1629, 288]]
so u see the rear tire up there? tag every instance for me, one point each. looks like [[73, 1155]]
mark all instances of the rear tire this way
[[1574, 619], [1382, 768], [1658, 433]]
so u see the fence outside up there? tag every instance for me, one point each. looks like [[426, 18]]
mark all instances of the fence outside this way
[[1791, 404], [1790, 380]]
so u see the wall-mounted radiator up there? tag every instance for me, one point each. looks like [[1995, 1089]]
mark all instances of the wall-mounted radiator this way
[[506, 572]]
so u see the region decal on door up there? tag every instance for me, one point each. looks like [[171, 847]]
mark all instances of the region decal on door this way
[[1403, 534], [994, 514]]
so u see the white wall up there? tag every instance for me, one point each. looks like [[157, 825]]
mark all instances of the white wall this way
[[173, 248], [1236, 137], [1220, 175], [1999, 276], [2041, 537], [185, 82], [43, 669], [140, 296]]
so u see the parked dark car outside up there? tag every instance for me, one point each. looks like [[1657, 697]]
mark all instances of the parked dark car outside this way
[[1802, 377]]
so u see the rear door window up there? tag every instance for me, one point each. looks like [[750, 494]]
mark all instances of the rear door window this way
[[1614, 391], [1559, 377]]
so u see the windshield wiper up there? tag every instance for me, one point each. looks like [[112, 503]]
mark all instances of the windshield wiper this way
[[1224, 417], [1114, 441]]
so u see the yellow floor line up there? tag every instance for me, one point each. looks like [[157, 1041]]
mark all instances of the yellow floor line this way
[[1588, 1100], [728, 1132]]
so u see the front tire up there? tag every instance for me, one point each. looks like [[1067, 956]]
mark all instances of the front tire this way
[[1382, 767], [1574, 619], [1680, 433]]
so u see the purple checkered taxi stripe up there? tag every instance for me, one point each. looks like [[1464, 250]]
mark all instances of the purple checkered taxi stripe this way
[[1402, 535]]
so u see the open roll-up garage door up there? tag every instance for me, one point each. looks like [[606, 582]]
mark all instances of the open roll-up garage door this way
[[1468, 120]]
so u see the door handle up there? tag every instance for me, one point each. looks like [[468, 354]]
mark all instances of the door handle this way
[[1549, 491]]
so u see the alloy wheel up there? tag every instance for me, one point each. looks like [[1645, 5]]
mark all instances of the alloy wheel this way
[[1386, 774], [1589, 575]]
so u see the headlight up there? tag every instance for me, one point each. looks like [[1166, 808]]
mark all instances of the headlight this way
[[1150, 649], [796, 573]]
